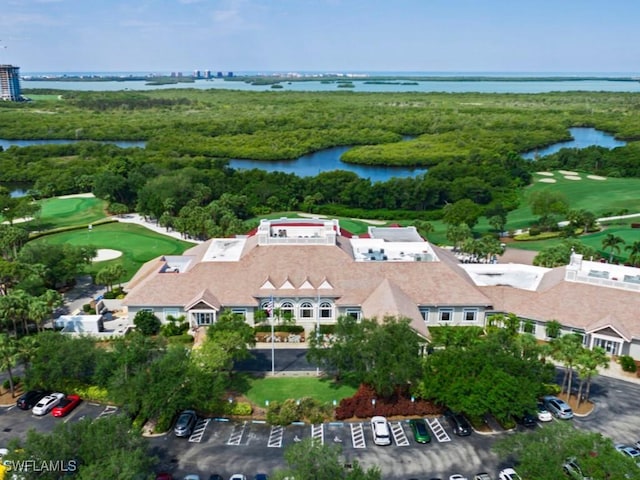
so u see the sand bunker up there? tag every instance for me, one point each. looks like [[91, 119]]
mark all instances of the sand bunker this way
[[547, 180], [104, 254], [546, 174], [567, 172], [596, 177], [572, 177], [78, 195]]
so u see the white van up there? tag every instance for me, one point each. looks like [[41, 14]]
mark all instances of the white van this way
[[381, 432]]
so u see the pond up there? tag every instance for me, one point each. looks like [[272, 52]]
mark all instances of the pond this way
[[583, 137]]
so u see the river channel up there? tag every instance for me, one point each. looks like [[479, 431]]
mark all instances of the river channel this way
[[329, 159]]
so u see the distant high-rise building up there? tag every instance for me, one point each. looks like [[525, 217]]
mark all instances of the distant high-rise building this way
[[207, 74], [219, 74], [197, 74], [10, 83]]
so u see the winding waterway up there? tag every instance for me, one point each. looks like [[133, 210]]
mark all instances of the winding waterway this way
[[329, 159], [583, 137]]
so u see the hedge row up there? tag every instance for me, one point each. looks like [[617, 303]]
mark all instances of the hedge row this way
[[278, 328]]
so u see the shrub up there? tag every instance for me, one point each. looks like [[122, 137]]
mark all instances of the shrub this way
[[534, 231], [146, 323], [16, 382], [278, 328], [164, 422], [86, 308], [304, 409], [93, 393], [241, 409], [361, 405], [627, 363], [176, 326], [185, 339]]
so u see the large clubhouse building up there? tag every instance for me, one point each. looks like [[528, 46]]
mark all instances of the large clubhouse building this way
[[314, 272]]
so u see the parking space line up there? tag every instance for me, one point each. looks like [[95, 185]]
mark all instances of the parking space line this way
[[109, 410], [317, 433], [357, 435], [275, 436], [236, 434], [399, 435], [438, 430], [198, 430]]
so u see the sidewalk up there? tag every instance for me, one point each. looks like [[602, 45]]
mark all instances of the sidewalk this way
[[139, 220]]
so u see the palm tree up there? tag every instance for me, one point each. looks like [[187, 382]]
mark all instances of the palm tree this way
[[567, 349], [27, 346], [634, 256], [613, 243], [587, 365], [8, 357]]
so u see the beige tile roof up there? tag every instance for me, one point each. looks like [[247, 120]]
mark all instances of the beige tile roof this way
[[239, 283], [573, 304]]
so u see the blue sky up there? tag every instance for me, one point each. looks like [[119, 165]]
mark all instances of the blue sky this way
[[321, 35]]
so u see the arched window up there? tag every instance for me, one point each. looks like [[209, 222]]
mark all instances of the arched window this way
[[326, 310], [286, 311], [306, 310]]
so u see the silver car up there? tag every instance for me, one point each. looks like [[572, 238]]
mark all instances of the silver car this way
[[185, 423], [559, 408]]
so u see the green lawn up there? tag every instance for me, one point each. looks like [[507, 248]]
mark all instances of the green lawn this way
[[137, 243], [64, 212], [282, 388]]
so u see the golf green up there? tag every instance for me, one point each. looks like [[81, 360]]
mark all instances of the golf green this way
[[137, 244]]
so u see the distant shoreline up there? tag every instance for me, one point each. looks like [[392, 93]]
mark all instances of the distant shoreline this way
[[276, 78]]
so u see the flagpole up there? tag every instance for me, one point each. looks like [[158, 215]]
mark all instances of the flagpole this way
[[273, 344], [318, 336]]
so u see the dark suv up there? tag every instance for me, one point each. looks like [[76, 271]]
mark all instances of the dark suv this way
[[29, 399], [458, 423]]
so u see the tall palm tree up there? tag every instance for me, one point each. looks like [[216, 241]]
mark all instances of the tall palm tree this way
[[587, 365], [613, 243], [566, 349], [8, 357], [634, 256]]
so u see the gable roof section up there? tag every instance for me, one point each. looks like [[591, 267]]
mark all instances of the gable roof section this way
[[609, 323], [388, 299], [206, 297]]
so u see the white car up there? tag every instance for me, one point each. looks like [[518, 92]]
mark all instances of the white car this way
[[509, 474], [629, 451], [381, 432], [238, 476], [45, 405], [544, 415]]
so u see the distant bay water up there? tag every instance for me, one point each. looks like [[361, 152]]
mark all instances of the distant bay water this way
[[452, 82]]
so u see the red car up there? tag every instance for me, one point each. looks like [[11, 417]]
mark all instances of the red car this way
[[67, 404]]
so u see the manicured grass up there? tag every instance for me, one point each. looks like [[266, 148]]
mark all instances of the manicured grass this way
[[137, 244], [64, 212], [282, 388], [629, 235]]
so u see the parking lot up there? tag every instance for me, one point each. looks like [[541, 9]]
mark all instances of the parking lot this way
[[250, 447], [16, 423], [226, 447]]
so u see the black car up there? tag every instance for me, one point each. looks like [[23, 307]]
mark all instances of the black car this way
[[458, 423], [527, 419], [28, 400]]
